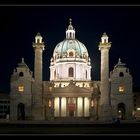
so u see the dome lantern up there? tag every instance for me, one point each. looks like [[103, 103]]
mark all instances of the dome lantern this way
[[70, 32]]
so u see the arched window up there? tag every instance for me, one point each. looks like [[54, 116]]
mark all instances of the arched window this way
[[37, 40], [70, 72], [121, 110], [121, 74], [21, 74], [71, 54], [70, 34], [86, 74], [50, 103], [21, 88], [121, 89]]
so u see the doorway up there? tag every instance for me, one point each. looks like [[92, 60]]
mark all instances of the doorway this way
[[121, 111], [71, 109], [21, 111]]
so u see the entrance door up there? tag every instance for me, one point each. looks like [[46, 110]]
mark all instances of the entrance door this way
[[121, 111], [21, 111], [71, 109]]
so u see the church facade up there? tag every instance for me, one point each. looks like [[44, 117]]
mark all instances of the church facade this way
[[70, 93]]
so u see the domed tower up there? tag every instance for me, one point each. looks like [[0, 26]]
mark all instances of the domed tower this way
[[70, 59]]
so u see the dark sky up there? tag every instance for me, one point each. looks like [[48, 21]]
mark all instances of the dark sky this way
[[19, 25]]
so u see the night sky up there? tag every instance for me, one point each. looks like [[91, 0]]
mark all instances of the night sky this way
[[20, 24]]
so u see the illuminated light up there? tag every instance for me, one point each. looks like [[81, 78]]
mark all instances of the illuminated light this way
[[50, 103], [20, 88], [138, 109], [92, 103], [119, 111], [71, 72], [121, 89], [71, 54], [56, 106], [50, 89]]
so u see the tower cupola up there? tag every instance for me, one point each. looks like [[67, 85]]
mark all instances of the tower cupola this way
[[104, 38], [38, 38], [70, 32]]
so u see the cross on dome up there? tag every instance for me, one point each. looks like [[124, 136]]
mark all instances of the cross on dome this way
[[119, 61], [104, 34], [22, 60], [70, 27], [70, 21], [70, 32]]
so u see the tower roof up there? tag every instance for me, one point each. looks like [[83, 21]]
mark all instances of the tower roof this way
[[38, 34], [119, 64], [22, 64], [104, 34]]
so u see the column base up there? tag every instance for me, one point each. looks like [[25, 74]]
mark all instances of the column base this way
[[50, 114], [105, 113], [38, 112]]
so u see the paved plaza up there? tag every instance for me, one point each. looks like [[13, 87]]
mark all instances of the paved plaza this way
[[57, 127]]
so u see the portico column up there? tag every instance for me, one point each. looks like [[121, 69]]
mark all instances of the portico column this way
[[53, 103], [76, 107], [67, 106], [83, 106]]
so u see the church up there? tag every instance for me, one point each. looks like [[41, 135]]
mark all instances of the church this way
[[70, 94]]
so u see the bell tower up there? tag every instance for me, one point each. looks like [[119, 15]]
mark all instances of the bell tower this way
[[37, 109], [38, 48], [105, 107]]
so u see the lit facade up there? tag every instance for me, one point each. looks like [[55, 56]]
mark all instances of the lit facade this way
[[71, 93], [4, 105]]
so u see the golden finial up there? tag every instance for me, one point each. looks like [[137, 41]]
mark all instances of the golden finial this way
[[70, 21], [119, 60], [38, 34], [22, 60], [104, 34]]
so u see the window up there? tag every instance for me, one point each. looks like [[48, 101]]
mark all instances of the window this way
[[20, 88], [86, 74], [37, 40], [55, 74], [71, 54], [92, 103], [70, 34], [50, 103], [138, 109], [70, 72], [121, 88], [21, 74], [121, 74], [50, 88]]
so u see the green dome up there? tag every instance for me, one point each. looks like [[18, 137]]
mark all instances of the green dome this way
[[70, 44]]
